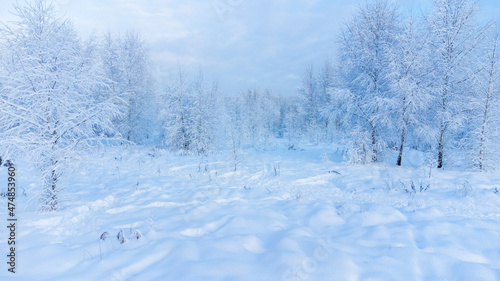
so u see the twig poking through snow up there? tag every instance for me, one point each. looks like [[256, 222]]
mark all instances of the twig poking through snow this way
[[121, 237]]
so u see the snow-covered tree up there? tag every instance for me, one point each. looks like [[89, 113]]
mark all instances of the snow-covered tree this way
[[210, 117], [294, 130], [126, 63], [260, 117], [312, 97], [310, 102], [326, 84], [485, 136], [407, 101], [453, 41], [178, 100], [194, 115], [233, 108], [54, 101], [364, 66]]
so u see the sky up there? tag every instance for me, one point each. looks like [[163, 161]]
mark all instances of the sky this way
[[241, 44]]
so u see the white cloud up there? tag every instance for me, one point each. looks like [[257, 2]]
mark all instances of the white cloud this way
[[265, 44]]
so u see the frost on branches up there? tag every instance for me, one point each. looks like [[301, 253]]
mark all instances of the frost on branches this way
[[53, 101]]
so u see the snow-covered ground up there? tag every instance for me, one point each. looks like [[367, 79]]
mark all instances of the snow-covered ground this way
[[283, 215]]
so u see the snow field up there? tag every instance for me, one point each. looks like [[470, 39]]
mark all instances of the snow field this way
[[307, 218]]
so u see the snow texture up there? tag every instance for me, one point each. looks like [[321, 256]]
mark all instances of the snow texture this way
[[316, 220]]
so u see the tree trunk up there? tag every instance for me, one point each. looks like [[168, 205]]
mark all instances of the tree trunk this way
[[483, 132], [443, 126], [400, 156], [403, 133], [53, 192], [485, 116], [374, 148], [441, 148]]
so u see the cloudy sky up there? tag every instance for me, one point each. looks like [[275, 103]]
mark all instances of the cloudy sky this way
[[240, 43]]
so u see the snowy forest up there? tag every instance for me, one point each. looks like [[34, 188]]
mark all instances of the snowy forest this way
[[401, 84]]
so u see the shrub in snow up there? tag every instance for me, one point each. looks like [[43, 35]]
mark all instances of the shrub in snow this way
[[137, 234], [153, 222], [104, 236], [121, 237], [362, 149]]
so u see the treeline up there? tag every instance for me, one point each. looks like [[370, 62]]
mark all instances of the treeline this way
[[427, 83]]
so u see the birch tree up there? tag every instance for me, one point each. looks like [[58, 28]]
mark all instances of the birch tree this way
[[486, 136], [408, 99], [454, 38]]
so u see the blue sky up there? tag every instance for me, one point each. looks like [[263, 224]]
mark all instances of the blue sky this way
[[240, 43]]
